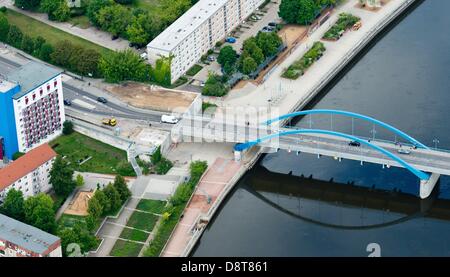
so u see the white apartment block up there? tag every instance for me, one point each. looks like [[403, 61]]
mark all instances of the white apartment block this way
[[29, 173], [18, 239], [197, 31]]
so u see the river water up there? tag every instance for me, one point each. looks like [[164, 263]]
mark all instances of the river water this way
[[290, 205]]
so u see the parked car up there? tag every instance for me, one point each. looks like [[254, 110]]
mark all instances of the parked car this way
[[102, 100], [354, 143], [67, 102], [272, 24], [230, 40], [211, 58]]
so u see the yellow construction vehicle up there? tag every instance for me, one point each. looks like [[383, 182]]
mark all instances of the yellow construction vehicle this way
[[109, 121]]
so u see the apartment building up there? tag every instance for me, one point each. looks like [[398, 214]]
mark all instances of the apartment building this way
[[32, 108], [18, 239], [197, 31], [29, 173]]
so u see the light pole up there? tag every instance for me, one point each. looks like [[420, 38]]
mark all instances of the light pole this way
[[436, 141], [373, 132]]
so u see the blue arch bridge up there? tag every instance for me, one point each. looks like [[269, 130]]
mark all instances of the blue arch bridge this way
[[424, 162]]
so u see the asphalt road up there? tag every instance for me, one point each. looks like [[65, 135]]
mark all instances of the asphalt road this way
[[94, 107]]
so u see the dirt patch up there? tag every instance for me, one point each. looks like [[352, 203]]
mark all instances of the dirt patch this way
[[79, 205], [291, 34], [152, 97]]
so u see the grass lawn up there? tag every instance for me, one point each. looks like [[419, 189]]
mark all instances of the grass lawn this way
[[133, 234], [105, 158], [153, 206], [126, 249], [52, 35], [143, 221], [80, 21], [149, 5], [69, 221], [194, 70]]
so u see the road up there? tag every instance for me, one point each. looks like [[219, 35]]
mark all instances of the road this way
[[86, 102]]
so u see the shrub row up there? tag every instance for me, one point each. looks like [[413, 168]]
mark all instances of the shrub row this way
[[298, 67]]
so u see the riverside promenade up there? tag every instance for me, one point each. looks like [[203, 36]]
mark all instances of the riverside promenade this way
[[289, 95]]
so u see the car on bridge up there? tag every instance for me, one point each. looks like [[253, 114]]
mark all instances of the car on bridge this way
[[354, 143], [67, 102], [404, 151]]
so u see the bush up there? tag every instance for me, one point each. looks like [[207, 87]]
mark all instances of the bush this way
[[215, 86], [344, 22], [17, 155], [299, 67], [67, 127], [163, 166]]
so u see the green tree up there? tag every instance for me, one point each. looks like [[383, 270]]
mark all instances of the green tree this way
[[214, 86], [62, 53], [95, 208], [67, 127], [251, 48], [13, 205], [161, 74], [248, 65], [39, 212], [298, 11], [157, 156], [4, 27], [227, 55], [307, 12], [28, 44], [268, 43], [45, 52], [93, 7], [114, 197], [78, 234], [104, 201], [79, 180], [14, 36], [123, 65], [114, 19], [57, 10], [197, 168], [88, 62], [122, 188], [27, 4], [61, 177], [136, 33]]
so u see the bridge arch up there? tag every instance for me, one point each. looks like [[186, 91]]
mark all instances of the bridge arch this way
[[420, 174], [354, 115]]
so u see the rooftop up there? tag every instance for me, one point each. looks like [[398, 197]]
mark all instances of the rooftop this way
[[186, 24], [25, 236], [25, 164], [32, 75], [6, 86]]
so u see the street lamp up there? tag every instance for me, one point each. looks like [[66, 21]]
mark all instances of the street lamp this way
[[373, 132], [436, 141]]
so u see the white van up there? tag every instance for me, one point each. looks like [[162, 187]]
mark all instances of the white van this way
[[169, 119]]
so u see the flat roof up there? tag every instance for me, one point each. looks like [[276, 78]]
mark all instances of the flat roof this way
[[186, 24], [6, 86], [25, 164], [32, 75], [25, 236]]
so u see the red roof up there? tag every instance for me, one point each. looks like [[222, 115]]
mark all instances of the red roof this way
[[25, 164]]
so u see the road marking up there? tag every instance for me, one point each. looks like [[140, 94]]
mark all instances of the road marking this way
[[83, 104]]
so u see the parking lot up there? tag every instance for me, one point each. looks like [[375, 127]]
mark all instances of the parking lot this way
[[250, 28]]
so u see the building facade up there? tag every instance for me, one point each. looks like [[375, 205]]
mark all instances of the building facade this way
[[18, 239], [197, 31], [29, 173], [32, 110]]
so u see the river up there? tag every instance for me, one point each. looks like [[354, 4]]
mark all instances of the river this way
[[290, 205]]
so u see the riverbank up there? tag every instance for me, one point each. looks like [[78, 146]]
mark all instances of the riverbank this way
[[297, 94]]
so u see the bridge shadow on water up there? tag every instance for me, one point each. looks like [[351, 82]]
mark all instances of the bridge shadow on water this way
[[323, 202]]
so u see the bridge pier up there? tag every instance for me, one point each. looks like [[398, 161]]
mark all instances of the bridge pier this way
[[427, 186]]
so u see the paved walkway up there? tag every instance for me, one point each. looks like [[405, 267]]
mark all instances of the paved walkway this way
[[211, 186], [92, 34]]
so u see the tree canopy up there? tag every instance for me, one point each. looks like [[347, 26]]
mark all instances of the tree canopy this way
[[61, 177]]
